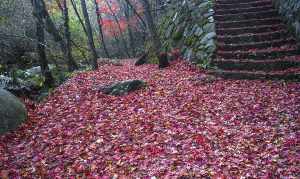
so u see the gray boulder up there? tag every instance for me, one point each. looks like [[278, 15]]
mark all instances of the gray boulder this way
[[12, 112], [37, 70], [123, 87]]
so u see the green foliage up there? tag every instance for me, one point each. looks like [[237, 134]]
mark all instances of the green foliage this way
[[60, 76], [78, 35], [2, 68], [36, 80], [153, 59], [204, 63], [3, 19], [178, 35]]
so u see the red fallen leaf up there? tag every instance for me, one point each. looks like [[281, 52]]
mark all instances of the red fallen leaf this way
[[200, 139], [220, 132], [30, 105], [155, 150], [41, 170], [79, 168], [123, 177], [268, 175], [219, 176], [227, 117], [4, 174], [290, 142]]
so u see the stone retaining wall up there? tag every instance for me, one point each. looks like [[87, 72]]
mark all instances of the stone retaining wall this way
[[290, 10], [192, 29]]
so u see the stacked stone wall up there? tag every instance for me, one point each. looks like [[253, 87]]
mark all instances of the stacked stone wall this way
[[290, 10]]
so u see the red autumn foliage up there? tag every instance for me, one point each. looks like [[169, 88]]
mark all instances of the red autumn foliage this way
[[200, 139], [109, 24], [104, 8], [174, 127], [111, 27]]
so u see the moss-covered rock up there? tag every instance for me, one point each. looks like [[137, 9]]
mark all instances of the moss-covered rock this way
[[123, 87], [12, 112]]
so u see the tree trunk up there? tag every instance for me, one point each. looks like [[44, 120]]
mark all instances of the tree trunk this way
[[49, 81], [83, 27], [71, 63], [117, 44], [130, 33], [163, 62], [88, 27], [51, 29], [99, 19], [137, 14], [78, 16], [158, 7]]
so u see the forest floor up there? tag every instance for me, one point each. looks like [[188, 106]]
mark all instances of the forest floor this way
[[176, 126]]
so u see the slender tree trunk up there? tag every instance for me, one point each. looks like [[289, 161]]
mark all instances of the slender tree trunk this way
[[83, 27], [163, 61], [158, 7], [78, 16], [81, 51], [99, 19], [126, 9], [159, 3], [71, 63], [117, 44], [88, 27], [144, 25], [49, 81], [151, 26], [51, 29]]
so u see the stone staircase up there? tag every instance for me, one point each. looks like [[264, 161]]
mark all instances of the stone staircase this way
[[253, 42]]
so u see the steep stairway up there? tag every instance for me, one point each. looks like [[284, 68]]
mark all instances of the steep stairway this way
[[253, 42]]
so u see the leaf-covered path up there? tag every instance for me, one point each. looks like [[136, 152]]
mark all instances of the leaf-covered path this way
[[174, 127]]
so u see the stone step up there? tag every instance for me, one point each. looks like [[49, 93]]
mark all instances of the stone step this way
[[255, 37], [271, 53], [257, 3], [291, 74], [253, 42], [254, 65], [247, 16], [256, 45], [249, 23], [244, 10], [253, 29]]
